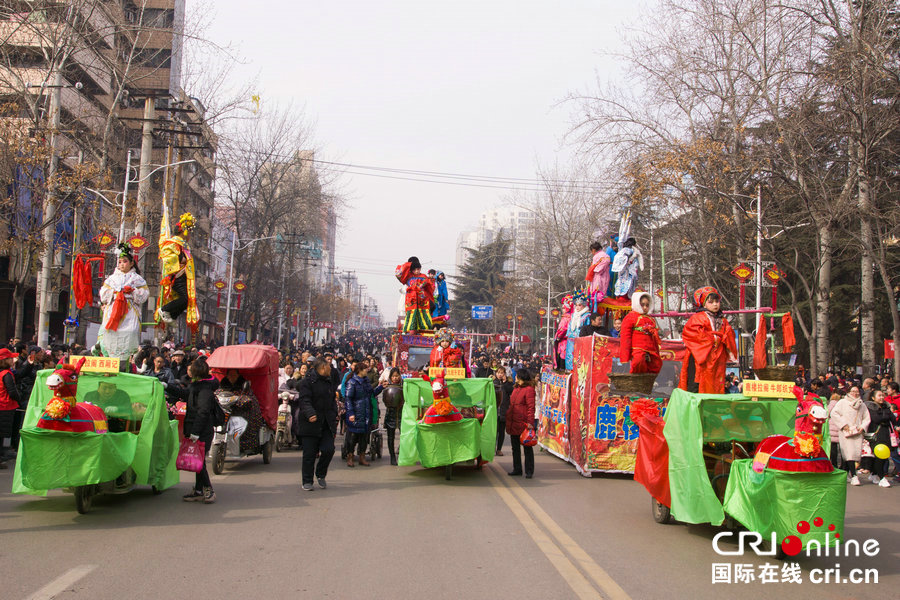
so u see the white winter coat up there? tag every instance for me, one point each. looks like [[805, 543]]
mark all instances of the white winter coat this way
[[853, 414]]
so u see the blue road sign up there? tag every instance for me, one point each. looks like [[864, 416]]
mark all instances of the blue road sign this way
[[485, 312]]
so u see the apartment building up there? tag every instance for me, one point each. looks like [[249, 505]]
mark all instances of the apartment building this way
[[114, 66]]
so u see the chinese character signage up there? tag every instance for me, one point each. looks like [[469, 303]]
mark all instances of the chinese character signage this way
[[761, 388], [553, 426], [449, 373], [602, 436], [100, 364], [483, 312]]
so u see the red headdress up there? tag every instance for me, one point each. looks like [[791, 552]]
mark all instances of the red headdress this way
[[703, 293]]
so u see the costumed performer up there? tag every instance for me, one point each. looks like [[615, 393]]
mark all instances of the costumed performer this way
[[441, 410], [627, 263], [445, 352], [562, 337], [440, 314], [598, 274], [122, 294], [419, 295], [177, 289], [710, 342], [611, 248], [581, 315], [639, 338]]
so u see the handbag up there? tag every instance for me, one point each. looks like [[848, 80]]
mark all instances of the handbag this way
[[218, 414], [895, 437], [191, 456], [528, 437], [866, 450]]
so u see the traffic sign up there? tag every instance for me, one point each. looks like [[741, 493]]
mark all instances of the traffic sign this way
[[483, 312]]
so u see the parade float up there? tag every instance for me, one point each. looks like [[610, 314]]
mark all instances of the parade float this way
[[586, 421], [92, 429], [448, 417], [754, 460]]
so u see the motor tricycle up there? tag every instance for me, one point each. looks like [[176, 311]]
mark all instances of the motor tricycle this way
[[250, 402], [710, 460], [132, 442]]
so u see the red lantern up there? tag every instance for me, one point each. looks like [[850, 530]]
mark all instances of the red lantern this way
[[773, 275], [104, 239], [743, 274], [137, 242], [542, 312]]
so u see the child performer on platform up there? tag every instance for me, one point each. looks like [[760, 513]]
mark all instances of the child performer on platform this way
[[710, 342], [639, 339]]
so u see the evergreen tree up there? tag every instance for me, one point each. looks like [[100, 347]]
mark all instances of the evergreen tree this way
[[481, 280]]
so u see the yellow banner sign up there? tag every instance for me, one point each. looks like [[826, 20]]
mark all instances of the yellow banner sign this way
[[452, 373], [99, 364], [761, 388]]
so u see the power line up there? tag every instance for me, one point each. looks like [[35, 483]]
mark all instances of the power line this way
[[527, 188], [493, 178], [449, 178]]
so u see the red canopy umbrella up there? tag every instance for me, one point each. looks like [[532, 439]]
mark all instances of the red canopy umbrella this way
[[259, 365]]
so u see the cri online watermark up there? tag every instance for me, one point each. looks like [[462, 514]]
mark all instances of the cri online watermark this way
[[832, 547]]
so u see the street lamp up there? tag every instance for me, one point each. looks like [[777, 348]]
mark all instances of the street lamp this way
[[124, 192], [231, 276], [549, 276]]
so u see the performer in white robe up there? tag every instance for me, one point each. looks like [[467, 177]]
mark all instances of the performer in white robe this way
[[121, 296]]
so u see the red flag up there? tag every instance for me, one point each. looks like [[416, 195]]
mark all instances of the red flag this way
[[787, 329], [760, 360]]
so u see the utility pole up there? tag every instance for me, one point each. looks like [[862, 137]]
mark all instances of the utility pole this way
[[49, 220], [143, 201], [758, 246], [125, 198]]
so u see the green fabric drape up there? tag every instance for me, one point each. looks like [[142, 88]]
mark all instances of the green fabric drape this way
[[54, 459], [777, 501], [695, 419], [447, 443]]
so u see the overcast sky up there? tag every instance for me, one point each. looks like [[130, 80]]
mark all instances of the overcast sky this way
[[468, 87]]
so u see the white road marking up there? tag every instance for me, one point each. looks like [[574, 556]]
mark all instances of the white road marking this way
[[569, 572], [62, 583]]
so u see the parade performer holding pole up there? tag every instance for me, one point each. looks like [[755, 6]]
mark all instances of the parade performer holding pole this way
[[121, 296], [440, 314], [598, 274], [562, 331], [710, 342], [419, 294], [177, 289], [639, 340]]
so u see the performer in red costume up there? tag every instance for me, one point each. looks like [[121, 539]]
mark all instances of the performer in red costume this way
[[445, 352], [709, 339], [419, 295], [639, 339]]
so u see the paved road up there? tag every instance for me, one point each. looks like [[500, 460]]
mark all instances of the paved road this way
[[388, 532]]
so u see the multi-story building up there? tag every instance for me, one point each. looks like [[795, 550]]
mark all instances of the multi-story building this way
[[514, 223], [115, 68]]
